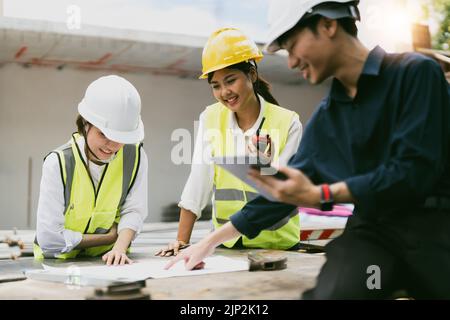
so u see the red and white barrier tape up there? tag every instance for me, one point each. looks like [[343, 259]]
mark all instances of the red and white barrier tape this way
[[321, 234]]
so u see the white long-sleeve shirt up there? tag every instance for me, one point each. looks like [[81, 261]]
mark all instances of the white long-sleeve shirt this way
[[198, 189], [52, 237]]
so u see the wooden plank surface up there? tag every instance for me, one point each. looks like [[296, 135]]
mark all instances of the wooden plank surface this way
[[284, 284]]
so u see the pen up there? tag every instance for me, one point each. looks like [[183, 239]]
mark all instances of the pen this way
[[269, 146], [257, 137], [184, 246], [267, 149]]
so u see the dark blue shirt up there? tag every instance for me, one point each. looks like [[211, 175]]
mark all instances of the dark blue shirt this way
[[390, 143]]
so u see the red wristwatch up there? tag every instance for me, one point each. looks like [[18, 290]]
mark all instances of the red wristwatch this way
[[326, 198]]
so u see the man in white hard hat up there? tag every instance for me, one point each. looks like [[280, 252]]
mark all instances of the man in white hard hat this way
[[93, 194], [380, 139]]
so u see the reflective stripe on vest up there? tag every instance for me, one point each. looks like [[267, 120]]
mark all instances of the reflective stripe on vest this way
[[276, 226], [231, 194], [89, 209]]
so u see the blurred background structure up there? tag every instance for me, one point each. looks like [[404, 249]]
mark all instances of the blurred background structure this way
[[50, 50]]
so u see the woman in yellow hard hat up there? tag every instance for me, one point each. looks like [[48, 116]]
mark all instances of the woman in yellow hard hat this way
[[245, 107], [93, 194]]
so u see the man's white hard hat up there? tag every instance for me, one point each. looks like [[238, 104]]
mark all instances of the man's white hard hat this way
[[285, 14], [113, 105]]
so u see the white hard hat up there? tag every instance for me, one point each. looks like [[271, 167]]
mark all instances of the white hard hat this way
[[113, 105], [285, 14]]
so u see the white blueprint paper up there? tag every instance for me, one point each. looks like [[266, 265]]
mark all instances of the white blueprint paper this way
[[151, 269]]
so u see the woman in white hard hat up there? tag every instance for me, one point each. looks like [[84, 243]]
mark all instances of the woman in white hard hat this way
[[245, 107], [93, 194]]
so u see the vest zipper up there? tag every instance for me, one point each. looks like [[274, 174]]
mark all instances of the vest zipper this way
[[90, 178], [96, 193], [100, 184]]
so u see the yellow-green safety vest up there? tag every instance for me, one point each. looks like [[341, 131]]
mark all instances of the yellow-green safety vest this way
[[230, 194], [91, 210]]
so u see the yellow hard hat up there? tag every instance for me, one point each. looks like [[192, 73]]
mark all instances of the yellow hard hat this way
[[226, 47]]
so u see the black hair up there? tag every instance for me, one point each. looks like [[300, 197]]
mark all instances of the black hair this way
[[81, 126], [347, 23], [260, 86]]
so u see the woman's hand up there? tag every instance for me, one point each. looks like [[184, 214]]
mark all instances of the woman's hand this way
[[172, 249], [116, 257], [193, 256]]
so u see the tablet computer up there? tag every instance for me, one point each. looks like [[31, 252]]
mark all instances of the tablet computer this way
[[239, 166]]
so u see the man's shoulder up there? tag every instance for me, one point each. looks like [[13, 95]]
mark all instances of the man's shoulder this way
[[321, 106], [409, 61]]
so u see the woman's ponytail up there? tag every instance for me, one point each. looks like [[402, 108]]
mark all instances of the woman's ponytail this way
[[262, 87]]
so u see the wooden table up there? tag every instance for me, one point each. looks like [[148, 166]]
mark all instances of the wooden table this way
[[284, 284]]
